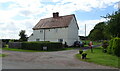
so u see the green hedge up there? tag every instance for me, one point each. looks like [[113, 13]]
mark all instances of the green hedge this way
[[114, 46], [40, 45], [109, 49]]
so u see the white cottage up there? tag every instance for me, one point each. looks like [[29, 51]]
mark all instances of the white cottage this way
[[56, 29]]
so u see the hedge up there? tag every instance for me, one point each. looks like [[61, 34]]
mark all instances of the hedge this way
[[109, 49], [14, 45], [40, 45], [114, 46]]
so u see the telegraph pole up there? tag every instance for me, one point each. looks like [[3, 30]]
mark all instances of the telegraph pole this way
[[85, 33]]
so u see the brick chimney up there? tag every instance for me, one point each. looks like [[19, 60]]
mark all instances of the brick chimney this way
[[55, 15]]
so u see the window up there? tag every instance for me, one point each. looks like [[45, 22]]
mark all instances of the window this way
[[41, 31], [37, 39], [60, 40]]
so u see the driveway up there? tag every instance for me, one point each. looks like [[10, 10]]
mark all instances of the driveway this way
[[46, 60]]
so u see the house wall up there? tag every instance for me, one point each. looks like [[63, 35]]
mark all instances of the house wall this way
[[72, 32], [55, 34], [68, 34], [50, 35]]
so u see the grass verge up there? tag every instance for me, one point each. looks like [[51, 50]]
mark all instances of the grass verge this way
[[101, 58], [22, 50], [2, 55], [94, 42]]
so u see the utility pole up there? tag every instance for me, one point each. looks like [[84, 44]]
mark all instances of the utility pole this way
[[85, 33]]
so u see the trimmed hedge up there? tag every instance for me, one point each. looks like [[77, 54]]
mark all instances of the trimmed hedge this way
[[114, 46], [109, 49], [14, 45], [40, 45]]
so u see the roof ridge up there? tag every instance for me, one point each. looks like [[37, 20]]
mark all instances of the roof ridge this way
[[59, 16]]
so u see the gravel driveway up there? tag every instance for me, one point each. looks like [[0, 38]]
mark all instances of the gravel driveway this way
[[46, 60]]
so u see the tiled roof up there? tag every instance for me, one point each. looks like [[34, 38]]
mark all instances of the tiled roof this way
[[59, 22]]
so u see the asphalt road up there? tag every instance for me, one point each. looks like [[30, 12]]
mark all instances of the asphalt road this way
[[46, 60]]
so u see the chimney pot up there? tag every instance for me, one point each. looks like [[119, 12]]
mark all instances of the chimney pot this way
[[55, 15]]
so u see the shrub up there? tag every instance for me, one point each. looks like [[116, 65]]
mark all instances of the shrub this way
[[84, 55], [105, 44], [40, 45], [80, 51], [114, 46], [109, 49], [14, 44]]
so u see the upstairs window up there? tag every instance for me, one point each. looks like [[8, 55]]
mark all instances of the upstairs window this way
[[41, 31]]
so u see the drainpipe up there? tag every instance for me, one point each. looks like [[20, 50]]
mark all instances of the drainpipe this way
[[44, 34]]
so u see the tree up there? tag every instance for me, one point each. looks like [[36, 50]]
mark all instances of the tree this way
[[96, 35], [23, 36], [99, 32], [114, 23]]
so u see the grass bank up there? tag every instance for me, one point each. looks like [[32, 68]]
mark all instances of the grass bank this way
[[94, 42], [101, 58], [2, 55], [22, 50]]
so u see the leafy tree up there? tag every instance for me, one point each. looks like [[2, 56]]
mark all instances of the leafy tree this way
[[23, 36], [114, 23], [99, 32], [96, 35]]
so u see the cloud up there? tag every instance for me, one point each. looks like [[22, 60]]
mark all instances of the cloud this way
[[34, 10]]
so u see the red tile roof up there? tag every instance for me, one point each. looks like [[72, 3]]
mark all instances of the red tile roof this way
[[59, 22]]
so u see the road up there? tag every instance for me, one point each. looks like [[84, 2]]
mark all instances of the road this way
[[46, 60]]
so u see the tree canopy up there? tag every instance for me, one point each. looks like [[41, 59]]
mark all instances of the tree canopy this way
[[114, 23], [107, 30], [23, 36], [98, 33]]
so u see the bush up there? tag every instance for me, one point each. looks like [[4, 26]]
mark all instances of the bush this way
[[14, 45], [80, 51], [40, 45], [114, 46], [105, 44], [109, 49]]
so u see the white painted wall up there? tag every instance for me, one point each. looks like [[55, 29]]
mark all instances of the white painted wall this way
[[68, 34], [72, 32]]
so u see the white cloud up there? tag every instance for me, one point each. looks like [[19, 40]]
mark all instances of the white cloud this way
[[34, 10]]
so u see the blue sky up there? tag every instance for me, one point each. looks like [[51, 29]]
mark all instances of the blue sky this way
[[19, 15]]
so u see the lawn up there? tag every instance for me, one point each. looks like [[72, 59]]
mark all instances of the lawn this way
[[99, 57], [94, 42], [22, 50], [2, 55]]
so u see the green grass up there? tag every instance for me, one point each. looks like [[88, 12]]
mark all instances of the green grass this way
[[94, 42], [99, 57], [86, 45], [22, 50], [2, 55]]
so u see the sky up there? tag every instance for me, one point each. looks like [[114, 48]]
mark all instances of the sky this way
[[17, 15]]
